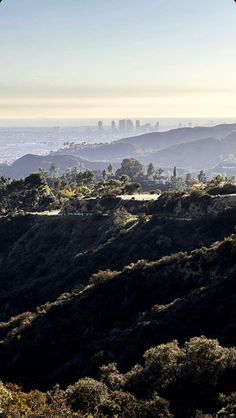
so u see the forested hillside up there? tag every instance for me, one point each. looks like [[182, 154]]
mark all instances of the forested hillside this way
[[121, 314], [116, 319], [88, 293], [42, 257]]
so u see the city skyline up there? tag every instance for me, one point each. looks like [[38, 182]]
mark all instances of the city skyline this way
[[101, 59]]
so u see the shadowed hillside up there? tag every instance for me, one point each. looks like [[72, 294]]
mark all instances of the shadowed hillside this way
[[123, 314], [42, 257]]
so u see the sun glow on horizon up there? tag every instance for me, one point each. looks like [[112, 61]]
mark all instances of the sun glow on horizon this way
[[170, 106], [117, 59]]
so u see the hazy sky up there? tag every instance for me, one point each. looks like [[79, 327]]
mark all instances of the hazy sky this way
[[117, 58]]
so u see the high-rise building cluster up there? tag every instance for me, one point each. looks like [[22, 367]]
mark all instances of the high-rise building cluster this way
[[129, 127]]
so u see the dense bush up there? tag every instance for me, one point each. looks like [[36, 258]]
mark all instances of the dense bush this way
[[86, 395], [173, 382], [102, 276], [227, 188]]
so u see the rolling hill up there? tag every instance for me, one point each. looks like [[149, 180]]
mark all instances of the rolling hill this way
[[123, 315], [31, 163], [160, 140], [200, 147]]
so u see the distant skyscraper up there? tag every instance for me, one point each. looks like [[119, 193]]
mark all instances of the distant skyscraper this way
[[147, 128], [137, 124], [113, 125], [122, 126], [157, 126], [130, 125], [100, 125]]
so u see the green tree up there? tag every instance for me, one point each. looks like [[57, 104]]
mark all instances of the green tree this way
[[157, 174], [217, 181], [177, 184], [202, 178], [35, 181], [190, 181], [125, 179], [54, 170], [36, 189], [110, 170], [133, 188], [150, 171], [104, 174], [130, 167]]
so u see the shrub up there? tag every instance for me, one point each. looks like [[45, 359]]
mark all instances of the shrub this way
[[160, 370], [228, 188], [103, 276], [229, 408], [120, 404], [195, 193], [86, 395], [111, 376], [155, 408], [5, 397]]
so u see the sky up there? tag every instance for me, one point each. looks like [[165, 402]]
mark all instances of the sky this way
[[117, 58]]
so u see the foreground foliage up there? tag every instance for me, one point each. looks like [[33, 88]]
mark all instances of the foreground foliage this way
[[196, 380]]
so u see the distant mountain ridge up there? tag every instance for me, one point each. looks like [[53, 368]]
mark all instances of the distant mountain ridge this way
[[199, 147], [202, 153], [30, 163], [188, 148], [159, 140]]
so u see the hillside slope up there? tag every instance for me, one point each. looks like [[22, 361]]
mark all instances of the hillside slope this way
[[160, 140], [175, 147], [148, 303], [203, 153], [42, 257], [30, 163], [199, 147]]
